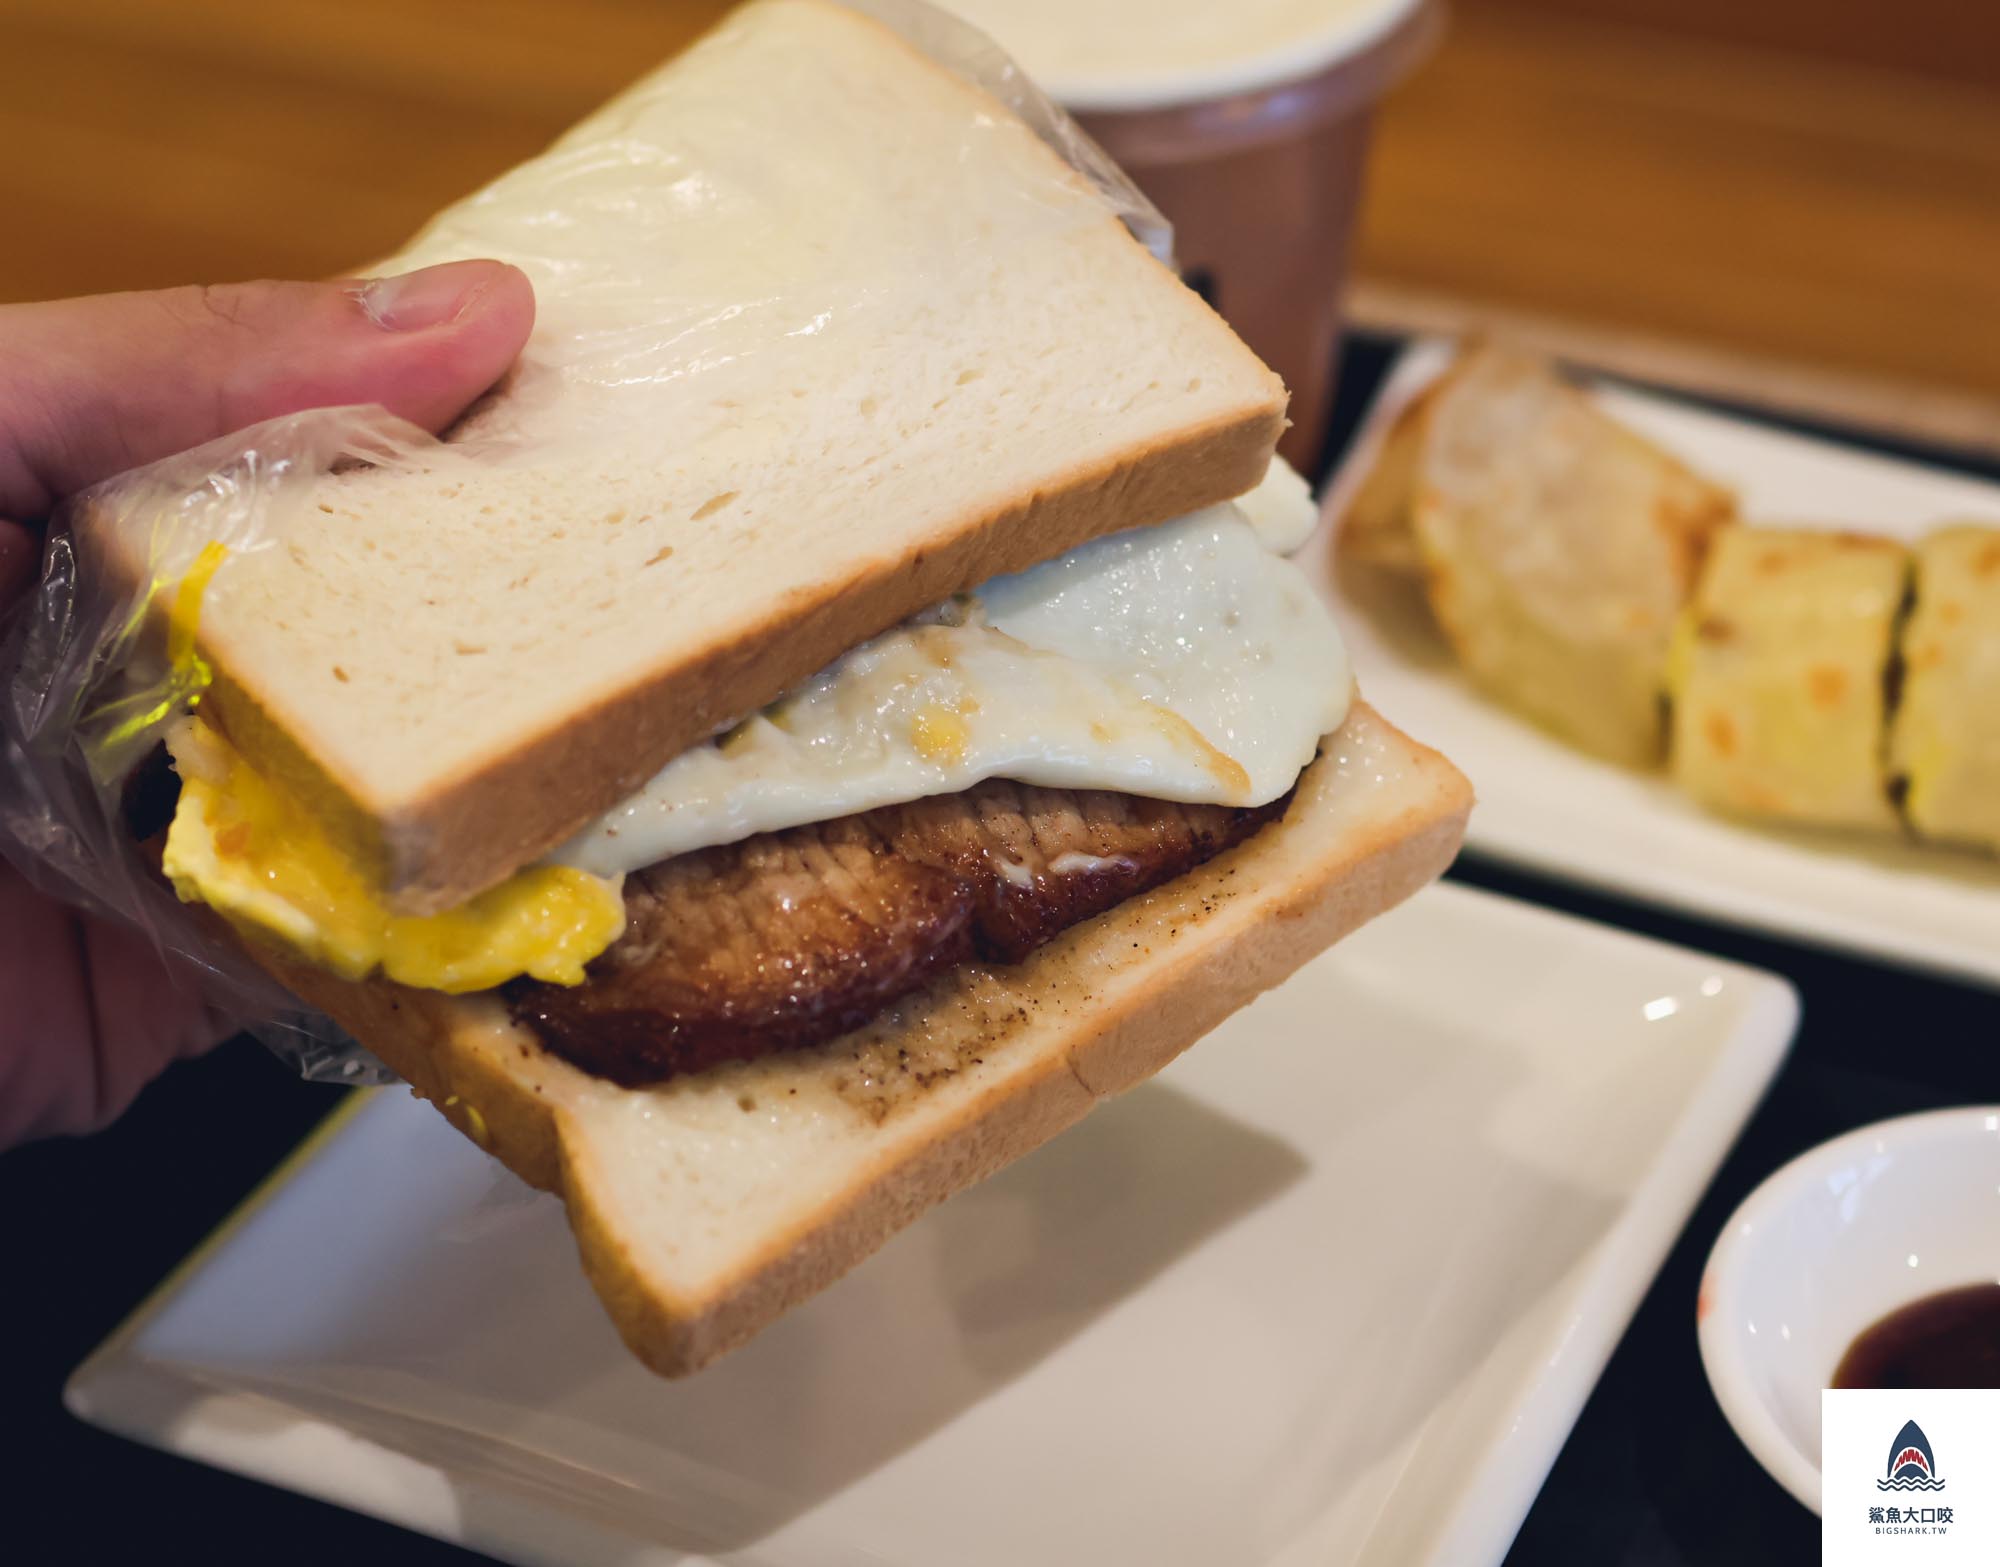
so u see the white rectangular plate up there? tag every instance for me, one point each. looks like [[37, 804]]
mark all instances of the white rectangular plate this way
[[1332, 1289], [1554, 809]]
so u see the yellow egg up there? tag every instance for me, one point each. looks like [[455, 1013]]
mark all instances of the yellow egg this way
[[244, 849], [939, 734]]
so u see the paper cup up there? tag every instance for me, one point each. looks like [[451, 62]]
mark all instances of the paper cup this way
[[1258, 164]]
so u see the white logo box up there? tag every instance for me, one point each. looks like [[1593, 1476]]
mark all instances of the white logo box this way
[[1909, 1475]]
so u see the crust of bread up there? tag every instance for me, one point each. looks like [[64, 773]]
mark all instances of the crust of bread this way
[[1028, 1050], [475, 829]]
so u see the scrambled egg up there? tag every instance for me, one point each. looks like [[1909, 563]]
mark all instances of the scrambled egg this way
[[249, 853]]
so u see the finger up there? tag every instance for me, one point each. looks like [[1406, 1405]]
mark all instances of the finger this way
[[89, 387], [93, 1014]]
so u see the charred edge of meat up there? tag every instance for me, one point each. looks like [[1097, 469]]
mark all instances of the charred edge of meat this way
[[644, 1015], [791, 939]]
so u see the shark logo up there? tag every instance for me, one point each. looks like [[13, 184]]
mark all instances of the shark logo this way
[[1911, 1466]]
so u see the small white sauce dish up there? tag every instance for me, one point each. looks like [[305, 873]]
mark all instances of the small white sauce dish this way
[[1828, 1246]]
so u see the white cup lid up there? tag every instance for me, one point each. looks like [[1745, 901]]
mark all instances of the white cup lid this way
[[1150, 54]]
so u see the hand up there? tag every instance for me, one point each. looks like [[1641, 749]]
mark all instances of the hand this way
[[89, 1012]]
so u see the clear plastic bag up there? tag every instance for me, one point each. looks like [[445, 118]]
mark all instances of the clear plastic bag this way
[[99, 662], [97, 669]]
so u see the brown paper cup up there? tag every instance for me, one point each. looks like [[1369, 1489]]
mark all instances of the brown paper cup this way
[[1263, 188]]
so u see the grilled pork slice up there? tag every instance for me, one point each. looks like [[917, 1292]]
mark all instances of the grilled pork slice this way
[[793, 938]]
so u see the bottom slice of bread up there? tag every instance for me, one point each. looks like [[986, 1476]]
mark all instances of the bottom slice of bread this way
[[706, 1206]]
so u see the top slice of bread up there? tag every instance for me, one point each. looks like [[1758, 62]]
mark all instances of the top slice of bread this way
[[824, 335]]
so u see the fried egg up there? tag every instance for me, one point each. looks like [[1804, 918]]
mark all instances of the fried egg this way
[[1186, 661]]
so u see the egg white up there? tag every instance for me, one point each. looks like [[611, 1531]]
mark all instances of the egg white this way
[[1187, 661]]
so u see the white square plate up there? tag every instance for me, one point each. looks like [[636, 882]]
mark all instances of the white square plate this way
[[1556, 810], [1332, 1289]]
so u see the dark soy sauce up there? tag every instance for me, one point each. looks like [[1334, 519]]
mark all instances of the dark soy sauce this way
[[1951, 1339]]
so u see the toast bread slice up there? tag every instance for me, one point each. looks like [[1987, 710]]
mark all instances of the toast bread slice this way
[[824, 335], [705, 1207]]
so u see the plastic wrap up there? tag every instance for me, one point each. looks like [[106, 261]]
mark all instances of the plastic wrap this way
[[102, 659]]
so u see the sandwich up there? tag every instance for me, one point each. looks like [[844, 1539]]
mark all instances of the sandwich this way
[[1944, 740], [840, 707]]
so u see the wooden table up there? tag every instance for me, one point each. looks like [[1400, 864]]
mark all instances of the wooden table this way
[[1731, 212], [1801, 229]]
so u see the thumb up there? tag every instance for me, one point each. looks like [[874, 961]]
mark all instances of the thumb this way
[[89, 387]]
